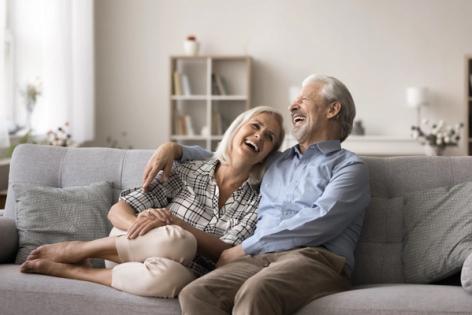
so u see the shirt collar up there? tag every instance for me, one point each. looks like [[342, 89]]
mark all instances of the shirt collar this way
[[208, 168], [325, 147]]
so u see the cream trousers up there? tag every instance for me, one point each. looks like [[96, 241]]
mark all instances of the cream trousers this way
[[154, 264]]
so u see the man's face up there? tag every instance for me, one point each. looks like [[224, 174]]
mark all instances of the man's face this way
[[309, 113]]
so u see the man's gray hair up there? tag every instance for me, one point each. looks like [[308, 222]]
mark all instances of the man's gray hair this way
[[334, 90], [222, 150]]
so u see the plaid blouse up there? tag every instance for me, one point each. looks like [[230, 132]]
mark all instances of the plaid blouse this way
[[191, 193]]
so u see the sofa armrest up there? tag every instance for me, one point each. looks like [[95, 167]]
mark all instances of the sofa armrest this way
[[8, 240]]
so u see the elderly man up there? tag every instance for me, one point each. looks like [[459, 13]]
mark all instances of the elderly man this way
[[309, 219]]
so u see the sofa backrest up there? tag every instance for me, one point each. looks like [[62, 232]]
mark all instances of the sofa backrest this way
[[379, 251], [65, 167]]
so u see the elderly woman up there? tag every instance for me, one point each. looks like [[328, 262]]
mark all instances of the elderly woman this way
[[177, 229]]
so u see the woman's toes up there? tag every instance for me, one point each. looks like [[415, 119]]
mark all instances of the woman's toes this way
[[27, 266]]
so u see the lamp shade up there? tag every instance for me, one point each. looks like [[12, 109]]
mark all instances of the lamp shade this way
[[293, 93], [416, 96]]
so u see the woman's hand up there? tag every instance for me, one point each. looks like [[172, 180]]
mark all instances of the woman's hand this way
[[229, 255], [161, 160], [147, 220]]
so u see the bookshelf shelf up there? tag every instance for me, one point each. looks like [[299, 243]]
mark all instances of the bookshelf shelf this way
[[188, 137], [229, 97], [188, 97], [206, 94]]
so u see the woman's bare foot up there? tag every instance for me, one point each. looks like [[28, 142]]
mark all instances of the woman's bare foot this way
[[52, 268], [43, 266], [64, 252]]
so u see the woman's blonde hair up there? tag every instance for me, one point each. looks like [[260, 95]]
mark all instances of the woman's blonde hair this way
[[221, 152]]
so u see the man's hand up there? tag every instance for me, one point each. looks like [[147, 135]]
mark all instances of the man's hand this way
[[161, 160], [147, 220], [229, 255]]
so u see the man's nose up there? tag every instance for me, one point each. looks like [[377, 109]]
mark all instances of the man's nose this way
[[294, 105]]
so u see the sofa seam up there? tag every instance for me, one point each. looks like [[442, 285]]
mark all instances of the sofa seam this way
[[123, 161], [61, 167]]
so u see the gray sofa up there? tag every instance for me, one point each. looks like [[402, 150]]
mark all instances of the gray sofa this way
[[379, 260]]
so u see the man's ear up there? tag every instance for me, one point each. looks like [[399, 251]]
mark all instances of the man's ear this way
[[334, 109]]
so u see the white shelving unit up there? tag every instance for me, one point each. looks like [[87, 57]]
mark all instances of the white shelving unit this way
[[218, 89]]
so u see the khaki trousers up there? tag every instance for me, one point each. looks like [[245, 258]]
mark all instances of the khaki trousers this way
[[154, 264], [273, 283]]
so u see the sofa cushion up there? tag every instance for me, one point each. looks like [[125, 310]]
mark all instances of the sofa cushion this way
[[378, 252], [73, 213], [22, 293], [393, 299], [466, 274], [438, 229]]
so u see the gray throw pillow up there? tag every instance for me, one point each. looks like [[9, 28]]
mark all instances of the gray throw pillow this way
[[466, 274], [437, 232], [47, 215], [378, 252]]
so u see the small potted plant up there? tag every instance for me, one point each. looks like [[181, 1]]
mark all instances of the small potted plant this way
[[437, 136], [31, 93], [191, 45]]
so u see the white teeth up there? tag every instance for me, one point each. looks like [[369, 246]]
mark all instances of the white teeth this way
[[254, 146], [297, 118]]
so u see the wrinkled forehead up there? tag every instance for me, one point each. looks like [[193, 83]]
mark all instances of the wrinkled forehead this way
[[313, 89]]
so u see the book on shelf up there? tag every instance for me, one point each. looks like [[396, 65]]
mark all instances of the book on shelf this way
[[216, 123], [218, 86], [214, 87], [186, 90], [180, 125], [470, 87], [177, 83], [184, 126], [189, 125]]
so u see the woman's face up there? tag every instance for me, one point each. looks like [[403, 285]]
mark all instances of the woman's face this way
[[256, 138]]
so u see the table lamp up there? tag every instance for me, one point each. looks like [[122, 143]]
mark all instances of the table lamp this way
[[416, 97]]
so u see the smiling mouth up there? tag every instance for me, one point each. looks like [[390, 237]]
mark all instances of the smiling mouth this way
[[296, 119], [251, 145]]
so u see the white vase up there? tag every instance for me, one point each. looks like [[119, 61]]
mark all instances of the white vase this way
[[28, 124], [433, 150], [191, 47]]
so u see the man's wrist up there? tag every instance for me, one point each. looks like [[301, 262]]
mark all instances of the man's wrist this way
[[177, 149]]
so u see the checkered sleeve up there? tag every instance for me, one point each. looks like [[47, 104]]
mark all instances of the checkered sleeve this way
[[158, 196], [243, 228]]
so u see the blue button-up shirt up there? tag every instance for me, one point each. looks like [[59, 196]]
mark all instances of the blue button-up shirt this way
[[312, 199]]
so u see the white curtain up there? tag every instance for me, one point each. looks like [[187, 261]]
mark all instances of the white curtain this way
[[54, 42], [3, 49], [5, 108]]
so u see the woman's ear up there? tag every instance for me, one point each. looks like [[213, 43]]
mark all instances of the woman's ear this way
[[334, 109]]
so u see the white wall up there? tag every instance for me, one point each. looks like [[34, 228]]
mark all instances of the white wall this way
[[377, 47]]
